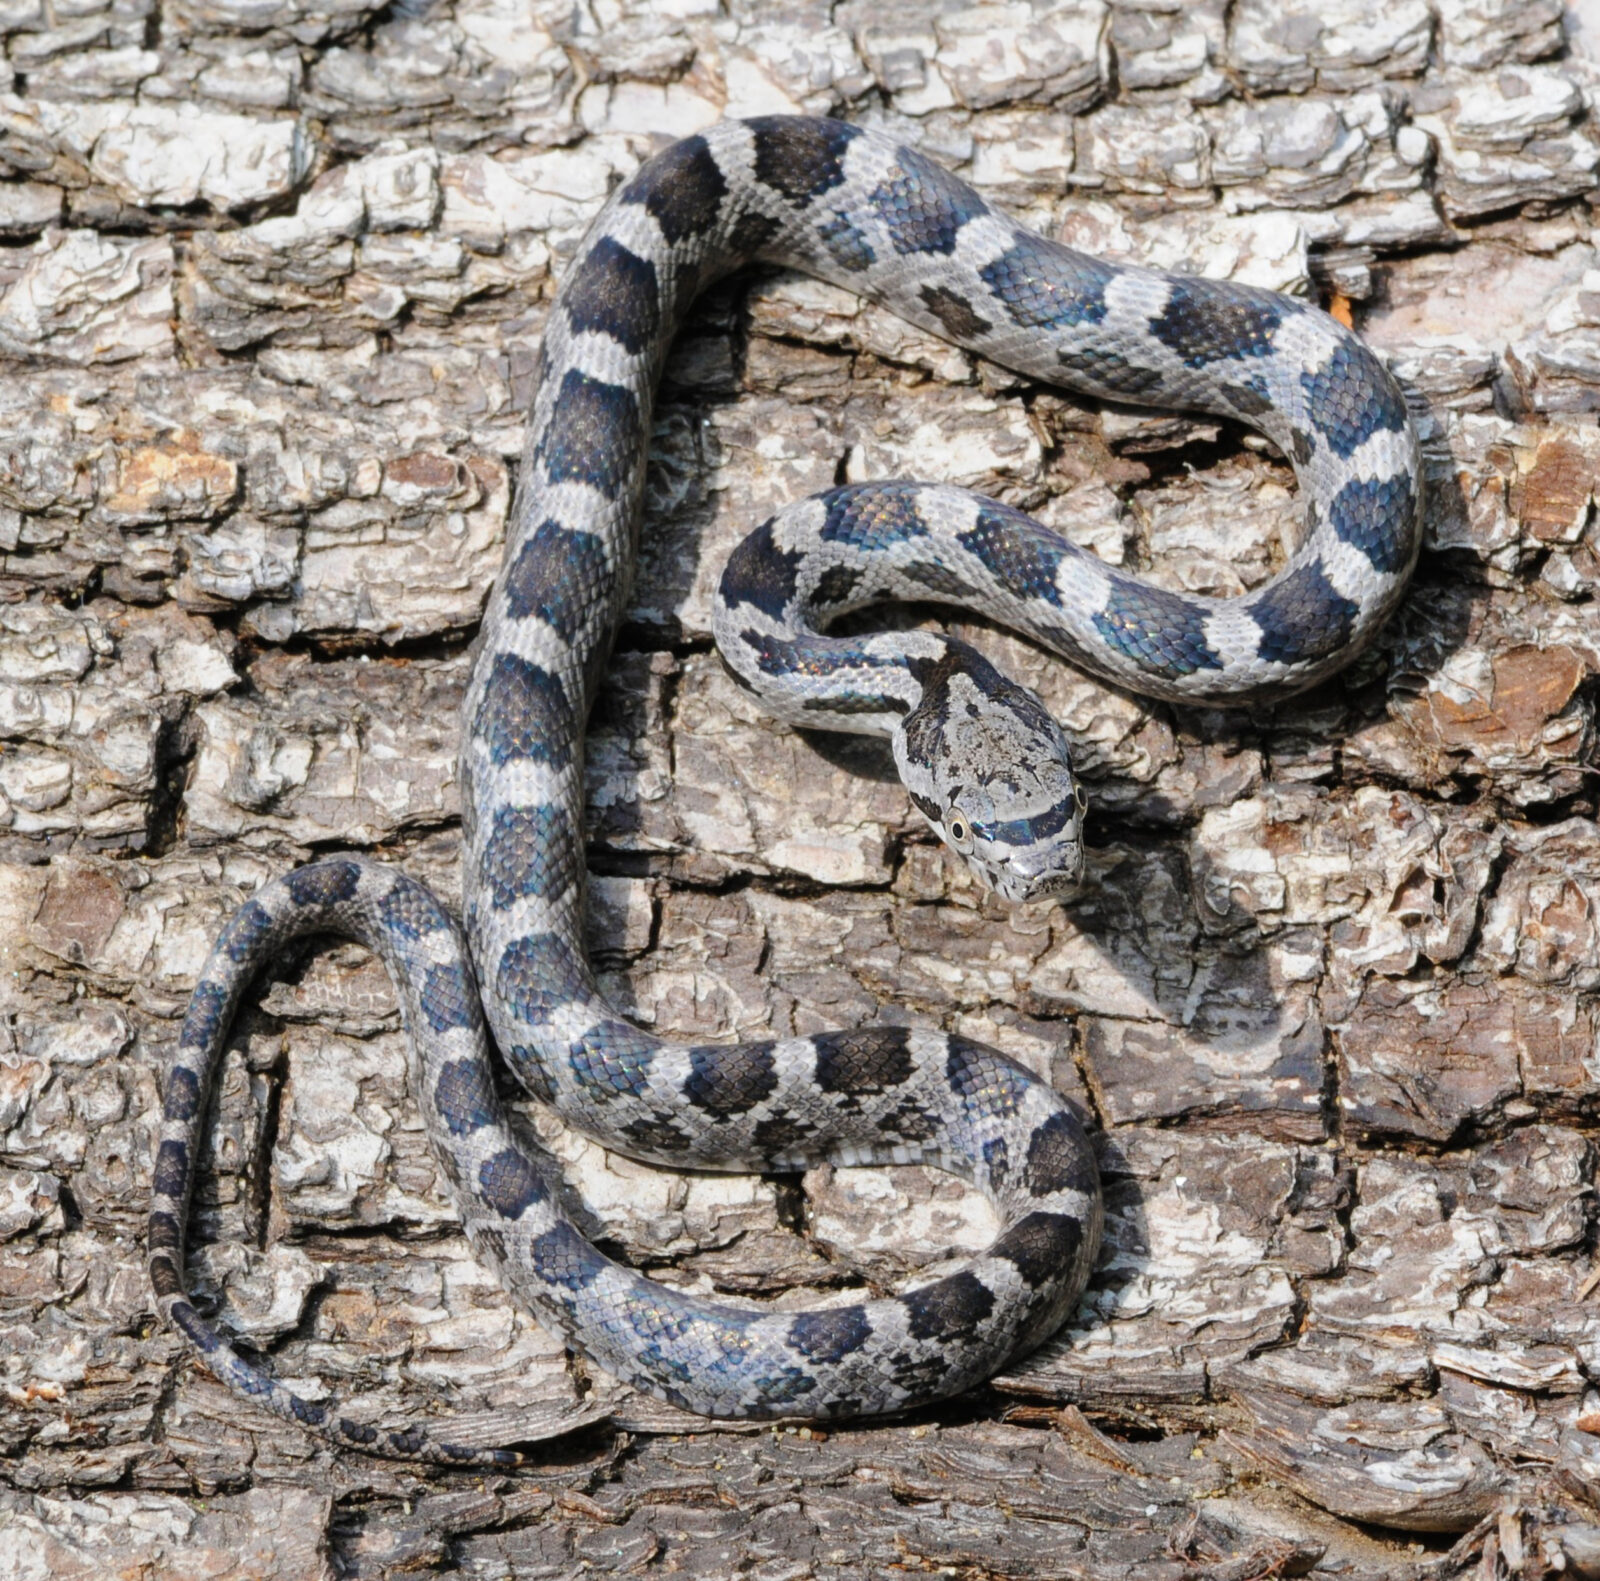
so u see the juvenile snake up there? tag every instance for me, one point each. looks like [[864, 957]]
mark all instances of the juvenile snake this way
[[982, 759]]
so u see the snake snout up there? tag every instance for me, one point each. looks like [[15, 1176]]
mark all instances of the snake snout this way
[[1045, 875]]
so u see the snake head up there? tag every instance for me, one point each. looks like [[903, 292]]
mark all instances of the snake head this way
[[989, 768]]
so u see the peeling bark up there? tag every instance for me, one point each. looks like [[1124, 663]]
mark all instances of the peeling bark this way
[[271, 284]]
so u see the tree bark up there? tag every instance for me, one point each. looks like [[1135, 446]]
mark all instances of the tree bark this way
[[273, 280]]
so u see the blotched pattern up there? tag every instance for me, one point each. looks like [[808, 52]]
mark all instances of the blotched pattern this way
[[981, 757]]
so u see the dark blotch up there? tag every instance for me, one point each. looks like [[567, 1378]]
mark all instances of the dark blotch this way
[[830, 1334], [164, 1278], [783, 1387], [960, 320], [525, 713], [911, 1123], [530, 851], [872, 517], [1017, 551], [1302, 616], [836, 586], [308, 1411], [950, 1309], [1110, 370], [323, 883], [752, 233], [411, 912], [244, 1377], [986, 1082], [246, 928], [446, 999], [614, 292], [528, 1063], [509, 1185], [847, 243], [822, 660], [1045, 285], [562, 1257], [203, 1019], [1205, 321], [1352, 398], [200, 1335], [1247, 397], [937, 579], [761, 574], [558, 575], [868, 1060], [463, 1096], [1377, 518], [614, 1057], [593, 435], [171, 1174], [1162, 632], [163, 1233], [538, 975], [856, 703], [183, 1094], [799, 156], [665, 1314], [1059, 1158], [844, 1406], [781, 1135], [1043, 1246], [923, 206], [681, 188], [357, 1432], [729, 1080], [662, 1134]]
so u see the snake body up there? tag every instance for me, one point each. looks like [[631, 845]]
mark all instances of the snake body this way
[[982, 759]]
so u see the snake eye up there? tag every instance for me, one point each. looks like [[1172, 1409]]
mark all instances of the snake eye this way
[[959, 830], [1079, 797]]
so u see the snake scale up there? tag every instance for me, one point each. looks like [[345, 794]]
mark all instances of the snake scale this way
[[982, 759]]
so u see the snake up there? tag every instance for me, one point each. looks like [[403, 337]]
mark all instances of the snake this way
[[982, 759]]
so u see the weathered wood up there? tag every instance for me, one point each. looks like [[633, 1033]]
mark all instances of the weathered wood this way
[[272, 282]]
